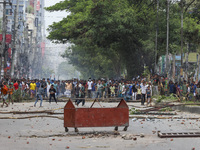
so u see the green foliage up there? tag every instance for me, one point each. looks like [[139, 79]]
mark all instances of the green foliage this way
[[133, 111], [66, 71], [163, 98], [46, 72], [109, 37], [30, 10], [19, 96], [146, 71]]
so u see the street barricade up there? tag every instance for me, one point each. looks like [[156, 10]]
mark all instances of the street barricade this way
[[96, 117]]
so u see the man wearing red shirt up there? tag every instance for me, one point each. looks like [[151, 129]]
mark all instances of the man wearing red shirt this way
[[16, 85]]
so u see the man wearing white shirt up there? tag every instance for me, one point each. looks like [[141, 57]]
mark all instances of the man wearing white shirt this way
[[89, 87], [144, 91]]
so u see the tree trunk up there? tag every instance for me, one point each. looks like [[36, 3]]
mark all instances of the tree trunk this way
[[167, 44], [197, 77], [174, 68]]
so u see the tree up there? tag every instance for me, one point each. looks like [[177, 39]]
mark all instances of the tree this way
[[66, 71], [111, 37], [46, 72]]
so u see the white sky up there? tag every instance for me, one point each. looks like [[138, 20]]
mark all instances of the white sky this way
[[51, 17]]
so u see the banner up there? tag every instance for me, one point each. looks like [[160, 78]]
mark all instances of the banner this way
[[8, 38], [43, 48], [38, 5]]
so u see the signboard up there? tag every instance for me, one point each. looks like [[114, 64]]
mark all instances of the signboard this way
[[8, 38], [38, 5], [192, 57], [43, 48], [36, 22], [181, 72], [32, 3]]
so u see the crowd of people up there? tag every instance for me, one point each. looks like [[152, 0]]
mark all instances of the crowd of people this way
[[136, 89]]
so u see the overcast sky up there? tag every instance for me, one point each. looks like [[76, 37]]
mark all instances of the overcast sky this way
[[51, 17]]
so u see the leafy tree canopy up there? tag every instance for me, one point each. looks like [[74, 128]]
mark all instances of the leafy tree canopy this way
[[110, 37]]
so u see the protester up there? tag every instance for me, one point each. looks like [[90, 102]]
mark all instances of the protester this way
[[143, 88], [68, 88], [76, 93], [10, 93], [4, 95], [33, 88], [44, 85], [81, 95], [52, 92], [148, 96], [89, 83], [134, 91], [40, 94]]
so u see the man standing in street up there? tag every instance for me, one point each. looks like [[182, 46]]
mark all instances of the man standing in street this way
[[52, 92], [68, 88], [4, 95], [144, 91], [32, 88], [76, 93], [40, 93], [94, 89], [99, 89], [81, 95], [89, 88], [44, 85]]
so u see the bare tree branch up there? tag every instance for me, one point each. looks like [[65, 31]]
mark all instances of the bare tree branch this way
[[189, 5]]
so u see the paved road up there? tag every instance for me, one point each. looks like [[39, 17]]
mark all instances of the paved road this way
[[45, 134]]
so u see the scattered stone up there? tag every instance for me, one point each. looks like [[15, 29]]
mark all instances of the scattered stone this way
[[142, 135], [134, 138], [53, 139], [134, 119], [27, 142], [99, 135], [9, 137], [67, 147], [148, 119], [127, 137], [172, 140], [116, 133], [154, 132], [59, 140], [193, 148], [90, 136], [83, 137]]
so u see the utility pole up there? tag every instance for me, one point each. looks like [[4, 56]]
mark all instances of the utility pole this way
[[3, 38], [156, 41], [181, 33], [13, 61], [167, 44], [186, 62], [198, 59], [4, 30], [30, 52], [182, 37]]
